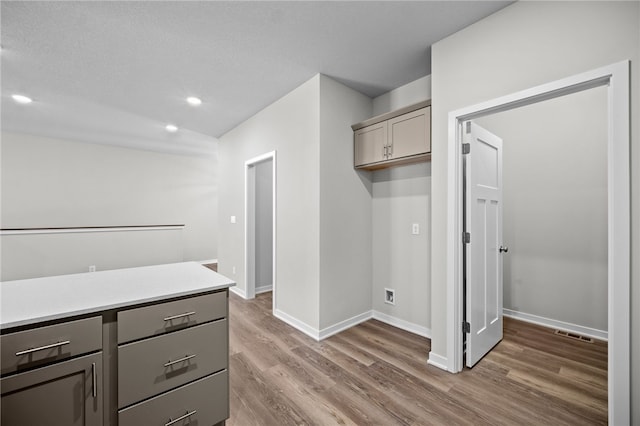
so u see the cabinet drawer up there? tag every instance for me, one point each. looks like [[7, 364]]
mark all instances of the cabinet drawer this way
[[207, 399], [149, 367], [43, 345], [159, 319]]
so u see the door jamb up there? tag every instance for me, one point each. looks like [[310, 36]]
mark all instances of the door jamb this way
[[250, 292], [616, 77]]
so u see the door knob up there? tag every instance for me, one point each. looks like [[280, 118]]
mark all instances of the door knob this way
[[503, 249]]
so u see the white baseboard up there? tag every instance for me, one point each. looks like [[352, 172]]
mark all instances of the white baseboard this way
[[343, 325], [206, 262], [402, 324], [560, 325], [297, 324], [263, 289], [238, 291], [437, 361]]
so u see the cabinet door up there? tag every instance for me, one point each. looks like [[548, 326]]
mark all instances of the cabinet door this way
[[64, 394], [409, 134], [369, 144]]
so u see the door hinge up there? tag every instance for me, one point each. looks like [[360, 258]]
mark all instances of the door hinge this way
[[466, 237], [466, 327], [466, 148], [468, 127]]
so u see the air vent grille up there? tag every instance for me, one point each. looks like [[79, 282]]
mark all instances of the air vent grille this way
[[574, 336]]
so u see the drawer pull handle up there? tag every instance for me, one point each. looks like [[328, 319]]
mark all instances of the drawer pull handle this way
[[42, 348], [189, 413], [186, 314], [94, 380], [186, 358]]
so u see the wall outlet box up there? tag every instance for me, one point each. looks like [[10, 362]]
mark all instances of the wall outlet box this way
[[233, 219], [92, 268], [389, 296], [415, 229]]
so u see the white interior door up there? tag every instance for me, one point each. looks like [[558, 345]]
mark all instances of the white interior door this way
[[483, 241]]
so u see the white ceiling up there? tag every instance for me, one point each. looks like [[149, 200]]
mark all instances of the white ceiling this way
[[118, 72]]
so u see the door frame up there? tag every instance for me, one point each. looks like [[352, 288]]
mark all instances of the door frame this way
[[250, 289], [616, 78]]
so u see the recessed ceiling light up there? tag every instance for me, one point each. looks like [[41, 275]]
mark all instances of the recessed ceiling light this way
[[192, 100], [171, 128], [22, 99]]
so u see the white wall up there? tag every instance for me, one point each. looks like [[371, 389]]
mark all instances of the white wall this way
[[401, 197], [54, 183], [410, 93], [290, 126], [345, 208], [555, 207], [521, 46]]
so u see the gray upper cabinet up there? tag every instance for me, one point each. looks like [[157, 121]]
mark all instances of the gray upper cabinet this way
[[399, 137]]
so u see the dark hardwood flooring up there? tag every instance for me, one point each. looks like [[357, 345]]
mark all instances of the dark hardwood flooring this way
[[377, 374]]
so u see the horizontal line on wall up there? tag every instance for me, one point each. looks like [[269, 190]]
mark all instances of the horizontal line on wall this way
[[77, 229]]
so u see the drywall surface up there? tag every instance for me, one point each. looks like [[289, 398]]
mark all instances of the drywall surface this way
[[264, 223], [345, 208], [402, 197], [555, 207], [49, 183], [401, 259], [411, 93], [290, 126], [525, 45]]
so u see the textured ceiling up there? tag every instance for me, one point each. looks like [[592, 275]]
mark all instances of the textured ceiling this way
[[118, 72]]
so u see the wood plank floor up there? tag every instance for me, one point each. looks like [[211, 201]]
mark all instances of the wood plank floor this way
[[377, 374]]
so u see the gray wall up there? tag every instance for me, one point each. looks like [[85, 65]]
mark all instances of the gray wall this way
[[521, 46], [555, 207], [290, 126], [264, 223], [54, 183], [345, 207], [401, 197]]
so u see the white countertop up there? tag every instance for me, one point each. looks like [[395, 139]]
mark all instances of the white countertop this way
[[24, 302]]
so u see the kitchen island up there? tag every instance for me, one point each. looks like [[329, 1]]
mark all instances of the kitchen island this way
[[145, 345]]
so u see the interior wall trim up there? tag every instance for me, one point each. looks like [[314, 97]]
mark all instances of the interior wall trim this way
[[402, 324], [555, 324], [81, 229]]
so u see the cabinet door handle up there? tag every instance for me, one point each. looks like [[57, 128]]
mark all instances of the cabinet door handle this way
[[186, 314], [384, 151], [94, 380], [185, 358], [390, 151], [189, 413], [42, 348]]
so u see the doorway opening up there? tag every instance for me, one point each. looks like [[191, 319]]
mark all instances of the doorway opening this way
[[260, 225], [543, 253], [616, 79]]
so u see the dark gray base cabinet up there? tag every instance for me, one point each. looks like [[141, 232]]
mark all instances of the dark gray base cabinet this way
[[164, 363], [64, 394]]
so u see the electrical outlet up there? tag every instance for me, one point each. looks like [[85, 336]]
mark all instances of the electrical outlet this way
[[233, 219], [389, 296], [92, 268], [415, 229]]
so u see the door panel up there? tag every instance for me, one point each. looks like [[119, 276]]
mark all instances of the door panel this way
[[408, 134], [483, 221], [65, 394]]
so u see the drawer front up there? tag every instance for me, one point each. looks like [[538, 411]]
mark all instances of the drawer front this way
[[149, 367], [207, 399], [158, 319], [44, 345]]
